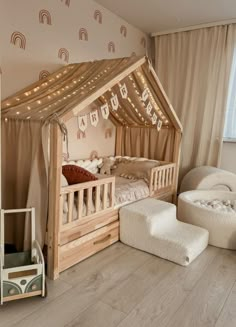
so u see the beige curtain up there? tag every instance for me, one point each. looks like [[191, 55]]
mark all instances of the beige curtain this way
[[24, 178], [147, 143], [194, 68]]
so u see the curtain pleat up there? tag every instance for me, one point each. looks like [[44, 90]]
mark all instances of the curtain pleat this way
[[24, 178], [147, 143], [194, 68]]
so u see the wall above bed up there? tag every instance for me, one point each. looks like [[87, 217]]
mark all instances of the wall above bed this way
[[45, 35], [95, 141]]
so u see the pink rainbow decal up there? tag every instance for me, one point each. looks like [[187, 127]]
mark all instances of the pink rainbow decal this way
[[111, 47], [98, 16], [63, 54], [67, 2], [83, 34], [81, 135], [143, 42], [45, 17], [108, 133], [123, 30], [65, 156], [43, 74], [18, 38], [93, 155]]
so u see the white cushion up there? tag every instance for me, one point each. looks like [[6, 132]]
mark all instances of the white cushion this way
[[151, 225], [220, 224]]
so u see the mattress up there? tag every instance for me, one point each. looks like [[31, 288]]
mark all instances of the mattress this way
[[126, 191]]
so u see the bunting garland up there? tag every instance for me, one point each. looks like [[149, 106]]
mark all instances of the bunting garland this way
[[94, 115], [124, 91], [149, 108], [94, 118], [83, 123], [105, 111], [115, 102]]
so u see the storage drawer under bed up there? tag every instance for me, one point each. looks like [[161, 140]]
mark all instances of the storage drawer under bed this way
[[85, 246]]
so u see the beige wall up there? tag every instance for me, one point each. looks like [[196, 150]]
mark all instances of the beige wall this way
[[27, 56], [41, 42], [96, 141], [228, 158]]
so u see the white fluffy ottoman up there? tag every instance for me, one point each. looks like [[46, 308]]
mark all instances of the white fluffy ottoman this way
[[151, 225], [202, 208]]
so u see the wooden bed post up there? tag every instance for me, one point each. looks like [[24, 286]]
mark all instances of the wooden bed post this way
[[54, 195], [176, 159]]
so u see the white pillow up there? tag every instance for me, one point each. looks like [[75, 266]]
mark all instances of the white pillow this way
[[63, 181]]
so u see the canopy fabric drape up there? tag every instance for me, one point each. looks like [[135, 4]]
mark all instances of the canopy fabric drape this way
[[147, 143], [194, 68], [24, 178]]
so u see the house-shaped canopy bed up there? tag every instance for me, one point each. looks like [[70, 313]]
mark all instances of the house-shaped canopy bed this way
[[33, 126]]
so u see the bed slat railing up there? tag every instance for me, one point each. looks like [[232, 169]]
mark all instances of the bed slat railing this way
[[162, 179], [86, 200]]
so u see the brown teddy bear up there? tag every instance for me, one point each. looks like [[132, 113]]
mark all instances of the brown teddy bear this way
[[106, 166]]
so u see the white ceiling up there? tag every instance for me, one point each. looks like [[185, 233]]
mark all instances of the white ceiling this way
[[161, 15]]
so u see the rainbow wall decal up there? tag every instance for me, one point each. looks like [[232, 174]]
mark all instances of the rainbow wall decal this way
[[67, 2], [83, 34], [123, 30], [98, 16], [43, 74], [143, 42], [63, 54], [65, 156], [111, 47], [19, 39], [108, 133], [81, 135], [93, 155], [45, 17]]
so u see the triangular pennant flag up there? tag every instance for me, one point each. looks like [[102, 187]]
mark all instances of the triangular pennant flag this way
[[105, 111], [159, 124], [114, 102], [94, 118], [124, 91], [149, 108], [82, 122], [145, 95], [154, 119]]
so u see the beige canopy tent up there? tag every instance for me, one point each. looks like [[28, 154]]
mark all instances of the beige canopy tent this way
[[147, 126]]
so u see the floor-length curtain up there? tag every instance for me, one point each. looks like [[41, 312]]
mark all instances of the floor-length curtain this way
[[24, 178], [194, 68]]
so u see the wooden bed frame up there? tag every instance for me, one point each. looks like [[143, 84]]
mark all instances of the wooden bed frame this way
[[74, 240], [77, 239]]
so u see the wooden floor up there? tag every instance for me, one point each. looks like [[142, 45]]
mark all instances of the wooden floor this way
[[124, 287]]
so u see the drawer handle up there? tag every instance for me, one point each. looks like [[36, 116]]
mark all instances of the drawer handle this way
[[106, 238]]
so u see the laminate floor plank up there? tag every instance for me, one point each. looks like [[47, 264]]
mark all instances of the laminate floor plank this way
[[203, 306], [125, 296], [98, 315], [86, 292], [12, 312], [227, 316], [166, 297], [125, 287], [94, 263]]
